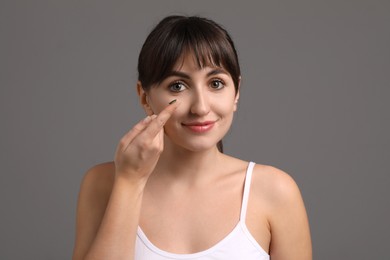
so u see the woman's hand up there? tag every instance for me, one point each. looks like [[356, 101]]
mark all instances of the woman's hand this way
[[110, 197], [139, 149]]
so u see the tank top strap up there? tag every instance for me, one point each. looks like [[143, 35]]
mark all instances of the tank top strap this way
[[247, 186]]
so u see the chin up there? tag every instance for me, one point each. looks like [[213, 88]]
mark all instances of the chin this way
[[195, 144], [200, 148]]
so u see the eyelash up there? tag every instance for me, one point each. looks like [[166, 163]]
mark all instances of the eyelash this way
[[220, 81], [176, 83]]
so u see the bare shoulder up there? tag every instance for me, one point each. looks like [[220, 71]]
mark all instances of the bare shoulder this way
[[93, 198], [95, 189], [99, 179], [281, 199], [274, 185]]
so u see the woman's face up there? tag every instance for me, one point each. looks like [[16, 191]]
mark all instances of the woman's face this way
[[207, 100]]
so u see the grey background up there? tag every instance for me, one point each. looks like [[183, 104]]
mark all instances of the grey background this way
[[314, 102]]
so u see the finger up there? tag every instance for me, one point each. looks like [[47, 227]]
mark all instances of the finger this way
[[158, 123], [138, 128], [161, 135]]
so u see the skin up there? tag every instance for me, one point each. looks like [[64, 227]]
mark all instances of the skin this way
[[175, 184]]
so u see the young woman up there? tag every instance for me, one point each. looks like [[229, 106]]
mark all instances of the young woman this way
[[171, 193]]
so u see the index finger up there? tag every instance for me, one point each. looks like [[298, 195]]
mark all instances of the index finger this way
[[158, 123]]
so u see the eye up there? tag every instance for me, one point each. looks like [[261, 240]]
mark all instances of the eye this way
[[217, 84], [177, 86]]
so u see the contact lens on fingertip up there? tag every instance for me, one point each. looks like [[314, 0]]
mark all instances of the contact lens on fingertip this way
[[173, 101]]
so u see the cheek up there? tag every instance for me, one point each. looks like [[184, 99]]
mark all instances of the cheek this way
[[157, 105], [225, 106], [180, 113]]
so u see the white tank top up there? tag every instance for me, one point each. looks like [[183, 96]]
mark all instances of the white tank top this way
[[238, 244]]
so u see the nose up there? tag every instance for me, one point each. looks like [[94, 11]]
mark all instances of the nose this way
[[200, 105]]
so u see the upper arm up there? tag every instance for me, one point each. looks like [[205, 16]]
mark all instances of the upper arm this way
[[290, 234], [94, 194]]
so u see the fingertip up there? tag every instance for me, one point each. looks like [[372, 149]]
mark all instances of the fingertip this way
[[147, 119]]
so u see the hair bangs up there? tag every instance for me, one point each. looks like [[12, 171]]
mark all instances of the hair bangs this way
[[204, 49]]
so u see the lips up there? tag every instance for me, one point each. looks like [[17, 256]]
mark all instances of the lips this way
[[199, 127]]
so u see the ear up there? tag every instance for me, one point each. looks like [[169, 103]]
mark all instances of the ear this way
[[144, 99], [237, 97]]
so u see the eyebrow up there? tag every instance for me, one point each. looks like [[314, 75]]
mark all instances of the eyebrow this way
[[186, 76]]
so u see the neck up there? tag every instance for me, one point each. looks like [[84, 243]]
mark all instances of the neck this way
[[188, 166]]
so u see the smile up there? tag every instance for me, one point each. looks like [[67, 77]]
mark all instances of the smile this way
[[200, 127]]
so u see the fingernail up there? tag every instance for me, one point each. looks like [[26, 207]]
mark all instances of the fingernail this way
[[153, 116], [147, 119], [173, 101]]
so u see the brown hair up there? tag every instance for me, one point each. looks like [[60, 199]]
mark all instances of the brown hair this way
[[175, 35]]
